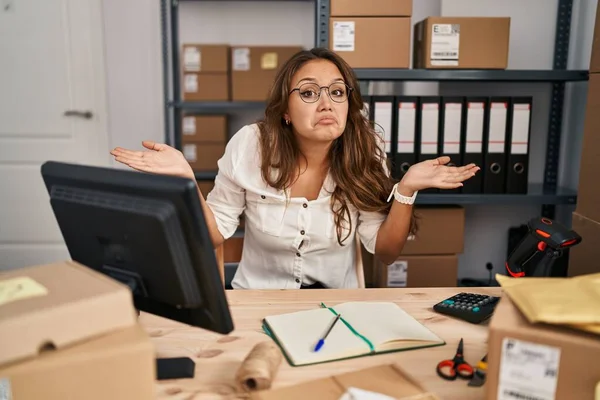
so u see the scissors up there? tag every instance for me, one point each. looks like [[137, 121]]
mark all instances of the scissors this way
[[480, 372], [456, 367]]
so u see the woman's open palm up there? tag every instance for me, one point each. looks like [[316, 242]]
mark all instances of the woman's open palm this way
[[436, 174], [158, 159]]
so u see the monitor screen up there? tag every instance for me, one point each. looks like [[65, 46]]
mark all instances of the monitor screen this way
[[146, 231]]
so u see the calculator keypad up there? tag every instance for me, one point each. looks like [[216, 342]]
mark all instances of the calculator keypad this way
[[471, 307]]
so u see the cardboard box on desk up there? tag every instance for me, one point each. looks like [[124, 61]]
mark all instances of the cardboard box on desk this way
[[461, 42], [584, 258], [68, 332], [371, 42], [537, 361], [253, 70], [441, 230], [389, 380]]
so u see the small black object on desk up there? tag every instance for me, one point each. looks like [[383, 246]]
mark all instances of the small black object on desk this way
[[473, 308]]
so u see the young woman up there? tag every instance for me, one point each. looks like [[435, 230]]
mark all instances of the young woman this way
[[310, 177]]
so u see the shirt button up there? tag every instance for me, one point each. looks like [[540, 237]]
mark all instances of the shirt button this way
[[297, 254], [302, 232], [262, 196], [297, 280], [304, 205]]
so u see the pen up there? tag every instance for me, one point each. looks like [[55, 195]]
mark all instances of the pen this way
[[321, 341]]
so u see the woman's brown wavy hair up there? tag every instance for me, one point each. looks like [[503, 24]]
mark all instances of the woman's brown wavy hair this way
[[355, 158]]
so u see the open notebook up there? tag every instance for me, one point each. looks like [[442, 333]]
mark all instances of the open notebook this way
[[365, 328]]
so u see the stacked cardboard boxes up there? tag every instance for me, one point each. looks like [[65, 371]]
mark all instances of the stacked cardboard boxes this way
[[205, 70], [374, 34], [68, 332], [203, 140], [583, 258], [430, 258]]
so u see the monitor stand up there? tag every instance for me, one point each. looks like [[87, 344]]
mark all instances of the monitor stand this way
[[174, 368]]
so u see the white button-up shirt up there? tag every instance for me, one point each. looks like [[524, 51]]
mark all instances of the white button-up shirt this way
[[290, 242]]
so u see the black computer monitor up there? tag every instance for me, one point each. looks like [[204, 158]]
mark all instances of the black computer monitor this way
[[147, 231]]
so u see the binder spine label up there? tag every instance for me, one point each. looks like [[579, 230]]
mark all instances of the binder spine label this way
[[406, 127], [497, 134], [474, 140], [383, 119], [452, 128], [429, 129], [445, 40], [343, 36], [520, 133]]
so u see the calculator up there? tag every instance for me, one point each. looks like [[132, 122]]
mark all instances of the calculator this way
[[473, 308]]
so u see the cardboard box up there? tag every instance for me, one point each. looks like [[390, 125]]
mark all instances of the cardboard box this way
[[232, 249], [595, 56], [588, 193], [441, 231], [389, 380], [461, 43], [206, 187], [68, 332], [49, 298], [209, 86], [205, 58], [253, 70], [537, 361], [203, 156], [364, 42], [116, 366], [204, 128], [373, 8], [419, 271], [584, 258]]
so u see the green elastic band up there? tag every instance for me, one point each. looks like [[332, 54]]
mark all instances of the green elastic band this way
[[367, 341]]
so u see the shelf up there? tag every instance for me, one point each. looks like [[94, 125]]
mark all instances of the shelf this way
[[526, 75], [219, 107], [536, 196]]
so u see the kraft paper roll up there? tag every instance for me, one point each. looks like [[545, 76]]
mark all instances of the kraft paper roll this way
[[259, 368]]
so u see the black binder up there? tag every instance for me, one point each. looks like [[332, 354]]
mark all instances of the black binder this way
[[517, 172], [428, 131], [476, 114], [406, 130], [495, 144], [451, 122]]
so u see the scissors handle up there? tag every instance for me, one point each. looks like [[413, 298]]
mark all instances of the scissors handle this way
[[450, 370]]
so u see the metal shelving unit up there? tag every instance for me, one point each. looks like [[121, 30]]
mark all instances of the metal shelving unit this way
[[547, 195]]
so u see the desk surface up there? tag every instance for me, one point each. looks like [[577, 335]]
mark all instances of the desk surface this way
[[218, 356]]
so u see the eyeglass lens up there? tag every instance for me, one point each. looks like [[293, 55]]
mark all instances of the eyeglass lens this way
[[311, 92]]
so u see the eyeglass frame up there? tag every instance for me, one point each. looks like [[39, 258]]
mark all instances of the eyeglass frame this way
[[350, 90]]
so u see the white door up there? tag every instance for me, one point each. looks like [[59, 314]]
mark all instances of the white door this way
[[51, 65]]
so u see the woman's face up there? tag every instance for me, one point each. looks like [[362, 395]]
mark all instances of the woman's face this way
[[318, 109]]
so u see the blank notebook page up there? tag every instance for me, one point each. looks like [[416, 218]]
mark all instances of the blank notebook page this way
[[382, 321], [299, 332]]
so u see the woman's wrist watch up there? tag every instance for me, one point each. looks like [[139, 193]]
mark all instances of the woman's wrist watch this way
[[401, 198]]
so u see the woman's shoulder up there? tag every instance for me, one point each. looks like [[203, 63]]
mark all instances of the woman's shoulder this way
[[246, 136]]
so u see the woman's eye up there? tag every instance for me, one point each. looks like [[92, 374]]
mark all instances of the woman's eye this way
[[308, 93]]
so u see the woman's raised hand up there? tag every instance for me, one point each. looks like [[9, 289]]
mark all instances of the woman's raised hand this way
[[158, 159], [436, 174]]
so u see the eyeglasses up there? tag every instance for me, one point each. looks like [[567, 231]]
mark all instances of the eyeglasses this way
[[311, 92]]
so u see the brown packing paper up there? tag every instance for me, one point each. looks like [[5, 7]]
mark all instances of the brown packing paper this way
[[573, 302], [259, 368]]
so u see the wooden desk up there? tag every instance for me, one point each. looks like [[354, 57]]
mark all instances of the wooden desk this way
[[217, 356]]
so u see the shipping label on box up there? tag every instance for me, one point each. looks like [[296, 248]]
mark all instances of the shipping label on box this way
[[396, 274], [445, 43], [343, 35]]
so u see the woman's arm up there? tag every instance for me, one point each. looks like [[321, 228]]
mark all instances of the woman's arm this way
[[393, 232]]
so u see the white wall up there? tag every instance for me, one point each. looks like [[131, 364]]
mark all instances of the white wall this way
[[134, 72], [135, 91]]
